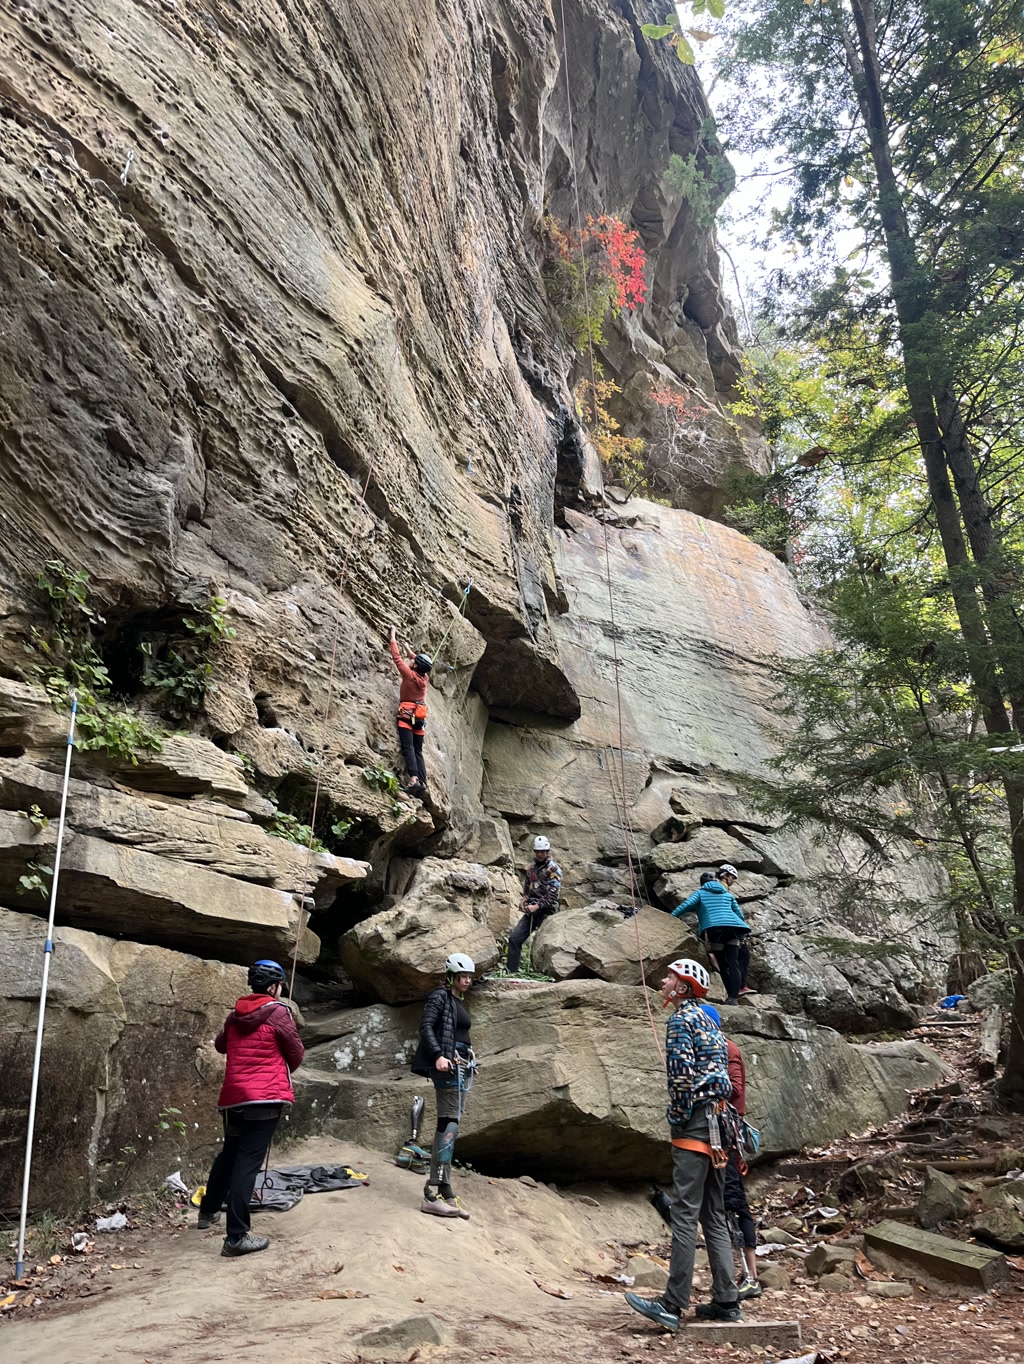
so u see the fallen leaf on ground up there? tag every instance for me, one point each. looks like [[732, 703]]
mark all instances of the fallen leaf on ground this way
[[56, 1259], [6, 1302], [555, 1292], [866, 1269], [399, 1269], [1016, 1262]]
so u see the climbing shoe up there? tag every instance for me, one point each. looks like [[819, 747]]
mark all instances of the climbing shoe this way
[[245, 1245], [749, 1288], [654, 1310], [206, 1219], [747, 990], [732, 1002], [434, 1204], [718, 1311], [455, 1202]]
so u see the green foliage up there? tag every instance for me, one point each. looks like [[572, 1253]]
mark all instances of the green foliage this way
[[37, 817], [68, 661], [705, 188], [342, 828], [170, 1120], [525, 972], [772, 509], [384, 780], [677, 36], [284, 825], [35, 881], [182, 670]]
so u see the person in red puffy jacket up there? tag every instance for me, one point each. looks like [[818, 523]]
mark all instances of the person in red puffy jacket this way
[[262, 1045]]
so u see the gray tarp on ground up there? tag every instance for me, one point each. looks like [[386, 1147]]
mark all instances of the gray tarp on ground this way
[[282, 1188]]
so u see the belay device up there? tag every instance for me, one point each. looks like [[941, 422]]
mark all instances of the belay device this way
[[412, 1156]]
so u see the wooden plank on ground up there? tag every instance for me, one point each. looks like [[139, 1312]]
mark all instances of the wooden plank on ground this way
[[765, 1335], [972, 1267], [988, 1042]]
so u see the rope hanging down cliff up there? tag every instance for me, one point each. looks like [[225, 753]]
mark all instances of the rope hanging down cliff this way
[[626, 823]]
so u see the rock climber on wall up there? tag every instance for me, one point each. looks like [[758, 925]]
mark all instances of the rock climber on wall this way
[[412, 712], [542, 886]]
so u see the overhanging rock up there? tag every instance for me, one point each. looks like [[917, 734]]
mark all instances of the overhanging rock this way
[[571, 1085]]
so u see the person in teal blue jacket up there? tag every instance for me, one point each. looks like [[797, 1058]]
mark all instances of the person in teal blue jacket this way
[[723, 930]]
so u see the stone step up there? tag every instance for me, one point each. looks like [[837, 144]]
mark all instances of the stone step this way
[[766, 1335]]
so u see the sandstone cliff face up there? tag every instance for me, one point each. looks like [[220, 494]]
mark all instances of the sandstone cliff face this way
[[276, 328]]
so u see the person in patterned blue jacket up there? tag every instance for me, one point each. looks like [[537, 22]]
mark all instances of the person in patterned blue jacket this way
[[542, 887], [697, 1063]]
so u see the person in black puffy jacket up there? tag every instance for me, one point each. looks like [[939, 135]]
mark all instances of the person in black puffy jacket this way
[[445, 1057]]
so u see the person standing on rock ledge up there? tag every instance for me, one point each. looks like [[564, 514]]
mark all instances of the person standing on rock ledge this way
[[262, 1045], [698, 1086], [722, 929], [445, 1057], [542, 887], [412, 713]]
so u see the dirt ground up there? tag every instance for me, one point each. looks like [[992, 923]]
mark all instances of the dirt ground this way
[[162, 1294]]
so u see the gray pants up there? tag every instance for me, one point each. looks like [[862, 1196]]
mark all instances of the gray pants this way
[[698, 1195], [449, 1110]]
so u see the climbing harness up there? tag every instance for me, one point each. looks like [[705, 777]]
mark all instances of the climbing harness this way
[[465, 1069], [19, 1269]]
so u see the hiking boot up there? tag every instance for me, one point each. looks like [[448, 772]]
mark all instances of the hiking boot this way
[[245, 1245], [434, 1204], [206, 1219], [454, 1201], [718, 1311], [749, 1288], [654, 1310]]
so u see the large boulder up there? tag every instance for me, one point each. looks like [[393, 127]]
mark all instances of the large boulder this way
[[128, 1037], [205, 832], [994, 991], [941, 1200], [708, 846], [571, 1085], [115, 888], [398, 955], [598, 941]]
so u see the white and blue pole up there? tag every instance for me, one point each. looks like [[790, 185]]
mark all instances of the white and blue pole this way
[[19, 1268]]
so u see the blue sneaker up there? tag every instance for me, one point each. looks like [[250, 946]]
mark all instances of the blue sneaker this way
[[654, 1310]]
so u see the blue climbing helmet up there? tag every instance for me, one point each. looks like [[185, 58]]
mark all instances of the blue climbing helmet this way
[[263, 974]]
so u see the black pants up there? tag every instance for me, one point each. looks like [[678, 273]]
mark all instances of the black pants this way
[[412, 752], [521, 932], [233, 1175], [733, 960], [736, 1201]]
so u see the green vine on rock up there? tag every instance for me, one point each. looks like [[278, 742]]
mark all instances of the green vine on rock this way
[[182, 671], [68, 661]]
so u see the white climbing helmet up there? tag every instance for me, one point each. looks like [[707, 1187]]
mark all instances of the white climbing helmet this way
[[541, 844], [727, 869], [458, 964], [693, 973]]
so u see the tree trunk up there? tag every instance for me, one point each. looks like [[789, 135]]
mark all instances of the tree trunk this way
[[993, 645], [963, 969]]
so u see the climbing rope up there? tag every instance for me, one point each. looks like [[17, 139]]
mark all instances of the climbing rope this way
[[307, 879], [626, 825], [461, 612]]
